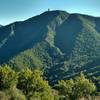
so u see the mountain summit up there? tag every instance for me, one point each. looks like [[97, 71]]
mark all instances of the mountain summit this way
[[59, 43]]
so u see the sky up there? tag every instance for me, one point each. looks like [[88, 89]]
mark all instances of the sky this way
[[19, 10]]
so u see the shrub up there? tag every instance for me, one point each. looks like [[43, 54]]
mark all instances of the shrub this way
[[15, 94], [8, 77]]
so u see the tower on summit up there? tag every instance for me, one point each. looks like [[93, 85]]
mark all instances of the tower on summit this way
[[48, 9]]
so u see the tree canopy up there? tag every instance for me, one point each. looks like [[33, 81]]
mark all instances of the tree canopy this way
[[31, 85]]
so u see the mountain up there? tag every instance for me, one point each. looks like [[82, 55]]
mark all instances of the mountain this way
[[60, 44]]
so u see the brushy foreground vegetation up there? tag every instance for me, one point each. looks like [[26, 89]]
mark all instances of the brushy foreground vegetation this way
[[31, 85]]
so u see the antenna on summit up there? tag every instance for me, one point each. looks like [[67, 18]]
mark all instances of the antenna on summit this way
[[48, 9]]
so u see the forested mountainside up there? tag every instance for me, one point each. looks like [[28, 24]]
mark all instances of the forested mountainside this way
[[56, 42]]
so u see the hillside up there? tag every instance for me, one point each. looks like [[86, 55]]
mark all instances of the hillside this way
[[60, 44]]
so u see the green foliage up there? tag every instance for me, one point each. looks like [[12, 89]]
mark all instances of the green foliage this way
[[26, 59], [8, 77], [75, 89], [25, 81], [32, 83], [83, 87], [65, 88], [15, 94]]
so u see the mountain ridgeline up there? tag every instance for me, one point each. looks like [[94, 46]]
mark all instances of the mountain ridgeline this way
[[56, 42]]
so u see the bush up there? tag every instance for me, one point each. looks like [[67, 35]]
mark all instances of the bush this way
[[75, 89], [15, 94], [8, 77], [83, 87], [33, 85]]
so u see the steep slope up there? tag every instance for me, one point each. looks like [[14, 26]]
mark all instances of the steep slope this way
[[79, 40], [20, 36], [59, 43]]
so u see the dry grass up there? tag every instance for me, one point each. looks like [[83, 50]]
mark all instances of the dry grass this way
[[96, 98]]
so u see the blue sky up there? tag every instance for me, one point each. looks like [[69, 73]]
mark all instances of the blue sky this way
[[17, 10]]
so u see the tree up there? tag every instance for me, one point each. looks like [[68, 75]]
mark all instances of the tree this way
[[33, 85], [24, 81], [83, 87], [76, 88], [65, 88], [8, 78]]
